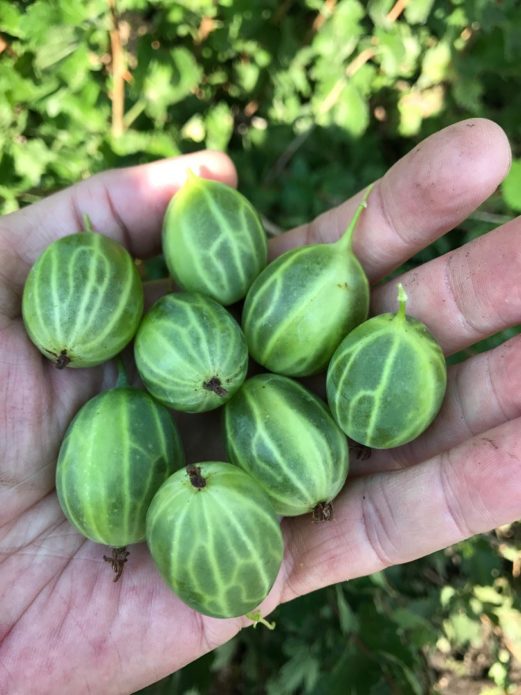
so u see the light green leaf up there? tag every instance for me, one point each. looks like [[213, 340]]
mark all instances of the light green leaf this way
[[31, 158], [378, 11], [60, 42], [194, 129], [219, 126], [511, 187], [446, 595], [186, 74], [435, 64], [340, 34], [348, 620], [11, 22], [510, 622], [488, 594], [417, 12], [247, 74], [391, 50], [499, 674], [462, 630], [352, 111], [416, 105], [168, 83]]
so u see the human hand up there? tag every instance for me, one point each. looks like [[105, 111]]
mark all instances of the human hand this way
[[63, 622]]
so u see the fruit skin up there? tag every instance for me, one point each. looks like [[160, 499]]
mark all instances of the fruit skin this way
[[300, 307], [117, 451], [213, 240], [218, 547], [386, 381], [190, 352], [284, 437], [82, 300]]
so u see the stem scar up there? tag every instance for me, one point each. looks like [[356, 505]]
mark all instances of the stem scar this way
[[196, 478], [214, 384]]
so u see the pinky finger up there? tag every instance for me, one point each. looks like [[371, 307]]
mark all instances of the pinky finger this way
[[395, 517]]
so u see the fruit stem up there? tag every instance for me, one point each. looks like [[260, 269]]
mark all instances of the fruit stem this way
[[191, 176], [346, 240], [62, 360], [117, 561], [257, 618], [87, 224], [123, 379], [402, 301]]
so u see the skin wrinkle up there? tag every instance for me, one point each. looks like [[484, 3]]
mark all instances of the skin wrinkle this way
[[493, 389], [456, 295], [375, 528], [385, 202], [124, 232], [454, 509], [53, 526], [460, 404]]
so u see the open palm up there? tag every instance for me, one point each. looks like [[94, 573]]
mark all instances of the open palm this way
[[64, 625]]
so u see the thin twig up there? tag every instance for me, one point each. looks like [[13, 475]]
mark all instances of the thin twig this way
[[271, 228], [490, 217], [282, 11], [396, 10], [331, 97], [325, 11], [118, 73]]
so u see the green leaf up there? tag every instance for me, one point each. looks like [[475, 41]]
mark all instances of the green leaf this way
[[406, 619], [219, 126], [247, 74], [410, 677], [468, 93], [340, 33], [462, 630], [417, 12], [499, 674], [435, 64], [446, 595], [169, 83], [416, 105], [300, 671], [348, 620], [488, 594], [510, 623], [352, 111], [378, 11], [31, 159], [12, 19], [60, 42], [511, 187], [391, 50]]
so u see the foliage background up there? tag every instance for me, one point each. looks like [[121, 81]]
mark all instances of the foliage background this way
[[312, 99]]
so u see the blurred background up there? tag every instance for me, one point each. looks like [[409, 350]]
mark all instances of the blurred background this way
[[312, 99]]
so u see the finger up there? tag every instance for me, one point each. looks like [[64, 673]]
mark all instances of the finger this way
[[396, 517], [126, 204], [425, 194], [482, 392], [468, 294]]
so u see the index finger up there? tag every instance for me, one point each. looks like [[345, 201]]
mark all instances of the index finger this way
[[126, 204], [425, 194]]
